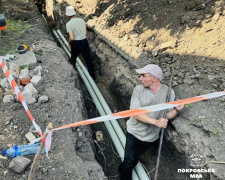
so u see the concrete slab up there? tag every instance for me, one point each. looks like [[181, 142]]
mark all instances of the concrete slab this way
[[24, 59]]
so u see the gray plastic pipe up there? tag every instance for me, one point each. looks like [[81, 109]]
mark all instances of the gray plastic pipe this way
[[139, 169], [105, 106], [109, 128]]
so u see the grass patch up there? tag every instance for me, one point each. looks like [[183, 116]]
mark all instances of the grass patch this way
[[197, 119], [17, 26], [23, 67], [217, 133], [187, 105], [14, 28]]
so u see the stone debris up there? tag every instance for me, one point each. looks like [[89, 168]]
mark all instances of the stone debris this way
[[19, 164], [5, 172], [9, 92], [43, 99], [27, 58], [24, 73], [31, 88], [32, 129], [28, 97], [8, 98], [36, 72], [3, 157], [36, 80], [15, 70], [5, 83], [30, 136], [163, 47], [29, 92], [99, 135]]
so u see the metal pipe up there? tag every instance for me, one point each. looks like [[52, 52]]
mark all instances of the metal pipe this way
[[139, 169]]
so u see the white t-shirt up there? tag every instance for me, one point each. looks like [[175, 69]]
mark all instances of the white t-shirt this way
[[142, 97], [78, 28]]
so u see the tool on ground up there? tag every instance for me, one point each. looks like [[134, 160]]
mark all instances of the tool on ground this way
[[162, 130], [21, 49], [25, 46]]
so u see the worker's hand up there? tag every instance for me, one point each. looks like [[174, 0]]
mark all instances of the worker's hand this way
[[162, 123], [179, 108], [69, 45]]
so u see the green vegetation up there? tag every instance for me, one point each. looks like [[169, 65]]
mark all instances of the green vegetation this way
[[187, 105], [23, 67], [17, 26], [197, 119], [14, 28], [217, 133]]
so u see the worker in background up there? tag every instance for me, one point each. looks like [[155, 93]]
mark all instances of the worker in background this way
[[144, 129], [40, 5], [77, 30]]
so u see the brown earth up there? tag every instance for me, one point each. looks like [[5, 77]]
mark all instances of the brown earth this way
[[147, 24], [73, 156], [185, 35]]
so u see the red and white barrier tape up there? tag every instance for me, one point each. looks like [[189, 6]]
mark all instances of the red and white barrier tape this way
[[15, 88], [134, 112], [119, 115], [143, 110]]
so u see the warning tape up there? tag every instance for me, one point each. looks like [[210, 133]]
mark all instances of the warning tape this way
[[143, 110], [134, 112], [15, 88], [119, 115]]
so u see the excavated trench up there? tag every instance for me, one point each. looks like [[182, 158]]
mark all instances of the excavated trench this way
[[119, 99], [196, 130], [116, 79]]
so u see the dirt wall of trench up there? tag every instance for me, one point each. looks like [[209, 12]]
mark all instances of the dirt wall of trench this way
[[200, 128]]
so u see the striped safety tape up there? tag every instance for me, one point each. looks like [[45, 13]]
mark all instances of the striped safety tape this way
[[134, 112], [143, 110], [15, 88]]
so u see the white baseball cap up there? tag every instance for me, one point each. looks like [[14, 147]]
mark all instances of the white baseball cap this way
[[70, 11], [152, 69]]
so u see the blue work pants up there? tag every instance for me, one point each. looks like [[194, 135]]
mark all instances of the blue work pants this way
[[81, 47]]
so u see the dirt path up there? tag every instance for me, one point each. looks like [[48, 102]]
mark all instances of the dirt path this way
[[71, 155]]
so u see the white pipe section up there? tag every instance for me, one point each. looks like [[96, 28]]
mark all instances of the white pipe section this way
[[109, 128], [139, 169]]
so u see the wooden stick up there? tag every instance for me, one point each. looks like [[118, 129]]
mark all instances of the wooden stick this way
[[39, 152]]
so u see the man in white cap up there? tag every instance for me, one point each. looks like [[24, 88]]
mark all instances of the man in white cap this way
[[144, 129], [77, 30]]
